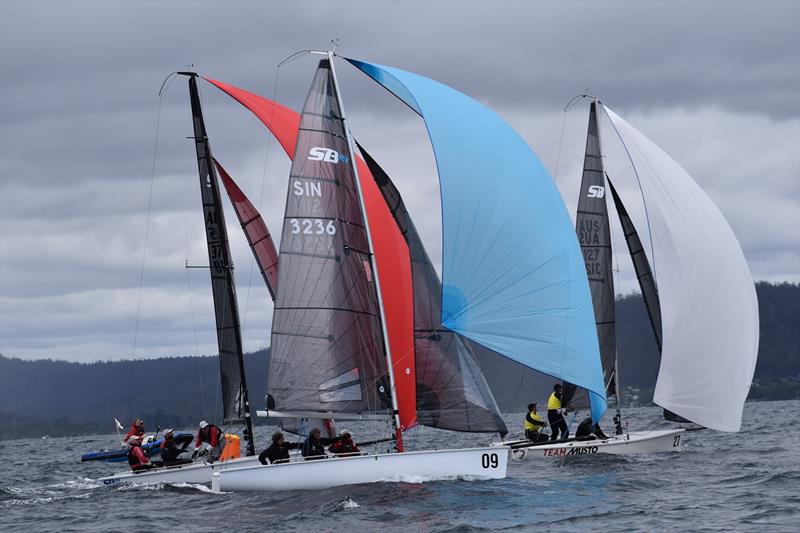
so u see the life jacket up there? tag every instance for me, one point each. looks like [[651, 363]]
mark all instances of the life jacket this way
[[214, 435], [134, 459], [553, 402], [533, 427]]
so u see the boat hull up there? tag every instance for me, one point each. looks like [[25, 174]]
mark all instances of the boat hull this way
[[189, 473], [409, 467], [636, 442]]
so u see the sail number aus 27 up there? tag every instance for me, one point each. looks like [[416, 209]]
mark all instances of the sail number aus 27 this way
[[312, 226], [489, 460]]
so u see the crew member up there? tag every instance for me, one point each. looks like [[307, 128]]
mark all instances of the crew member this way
[[278, 451], [137, 429], [314, 445], [344, 445], [555, 415], [588, 430], [170, 450], [136, 456], [533, 424], [214, 437]]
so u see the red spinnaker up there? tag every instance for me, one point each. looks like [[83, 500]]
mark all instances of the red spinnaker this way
[[255, 230], [391, 250]]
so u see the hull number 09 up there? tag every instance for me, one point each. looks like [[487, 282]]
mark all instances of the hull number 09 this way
[[489, 460]]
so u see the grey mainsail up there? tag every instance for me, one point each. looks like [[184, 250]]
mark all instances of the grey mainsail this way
[[594, 235], [235, 404], [452, 392], [327, 345]]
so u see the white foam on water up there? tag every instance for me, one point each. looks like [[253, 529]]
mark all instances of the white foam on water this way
[[197, 486], [349, 503]]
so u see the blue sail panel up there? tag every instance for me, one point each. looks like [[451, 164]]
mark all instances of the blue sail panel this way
[[512, 271]]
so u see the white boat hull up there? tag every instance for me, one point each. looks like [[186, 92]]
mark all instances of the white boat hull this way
[[189, 473], [409, 467], [636, 442]]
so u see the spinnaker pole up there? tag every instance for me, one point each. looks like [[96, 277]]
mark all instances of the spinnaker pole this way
[[387, 349]]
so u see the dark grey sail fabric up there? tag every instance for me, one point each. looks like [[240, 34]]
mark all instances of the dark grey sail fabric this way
[[327, 346], [594, 236], [235, 406], [640, 265], [452, 392]]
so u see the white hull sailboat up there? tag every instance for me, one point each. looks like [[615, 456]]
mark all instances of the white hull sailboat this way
[[344, 349], [408, 467], [633, 443], [696, 286], [196, 473]]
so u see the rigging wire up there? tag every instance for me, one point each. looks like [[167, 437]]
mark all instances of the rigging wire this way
[[261, 192], [167, 82]]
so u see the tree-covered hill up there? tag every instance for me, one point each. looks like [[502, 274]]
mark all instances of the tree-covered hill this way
[[57, 398]]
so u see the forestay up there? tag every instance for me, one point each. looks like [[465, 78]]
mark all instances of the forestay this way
[[709, 309], [512, 272]]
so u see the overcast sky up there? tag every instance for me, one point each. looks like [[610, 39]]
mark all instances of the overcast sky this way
[[715, 84]]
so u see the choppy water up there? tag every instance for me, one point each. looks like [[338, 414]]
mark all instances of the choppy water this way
[[720, 482]]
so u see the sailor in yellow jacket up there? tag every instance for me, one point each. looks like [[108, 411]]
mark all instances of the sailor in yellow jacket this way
[[534, 424], [555, 415]]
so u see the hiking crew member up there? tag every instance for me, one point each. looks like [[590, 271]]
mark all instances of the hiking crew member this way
[[137, 429], [555, 416], [278, 451], [136, 456], [314, 446], [170, 450], [588, 430], [345, 445], [533, 424], [215, 438]]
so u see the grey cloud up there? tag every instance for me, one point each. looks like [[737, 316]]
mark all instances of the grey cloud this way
[[716, 84]]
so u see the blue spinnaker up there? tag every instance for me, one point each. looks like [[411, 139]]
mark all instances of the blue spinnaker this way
[[513, 275]]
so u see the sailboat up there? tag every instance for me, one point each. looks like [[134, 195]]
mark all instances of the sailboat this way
[[332, 349], [235, 402], [701, 300]]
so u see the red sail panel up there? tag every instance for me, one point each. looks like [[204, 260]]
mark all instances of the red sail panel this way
[[255, 230], [391, 250]]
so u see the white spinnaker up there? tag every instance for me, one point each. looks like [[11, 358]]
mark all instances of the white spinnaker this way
[[708, 300]]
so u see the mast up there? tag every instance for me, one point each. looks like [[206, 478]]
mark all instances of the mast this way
[[351, 145], [236, 406]]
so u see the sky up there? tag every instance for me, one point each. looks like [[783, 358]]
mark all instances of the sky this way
[[99, 201]]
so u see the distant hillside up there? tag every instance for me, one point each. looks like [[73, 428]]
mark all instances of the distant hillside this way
[[57, 398]]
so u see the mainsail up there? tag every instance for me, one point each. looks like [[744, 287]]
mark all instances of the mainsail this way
[[258, 236], [327, 346], [390, 251], [709, 309], [451, 391], [235, 405], [594, 235], [513, 277]]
